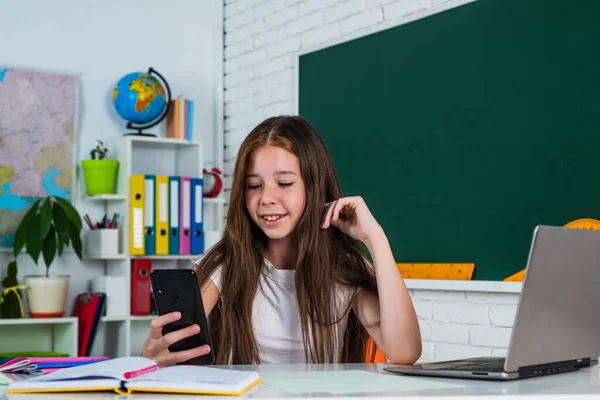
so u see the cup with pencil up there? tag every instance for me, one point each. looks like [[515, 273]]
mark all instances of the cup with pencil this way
[[102, 239]]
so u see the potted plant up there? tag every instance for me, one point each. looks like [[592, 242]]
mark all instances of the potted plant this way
[[99, 172], [50, 224]]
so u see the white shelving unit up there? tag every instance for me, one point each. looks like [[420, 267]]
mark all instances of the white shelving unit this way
[[41, 334], [124, 335], [119, 335]]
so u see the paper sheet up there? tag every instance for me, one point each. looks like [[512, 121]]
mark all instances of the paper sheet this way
[[349, 382]]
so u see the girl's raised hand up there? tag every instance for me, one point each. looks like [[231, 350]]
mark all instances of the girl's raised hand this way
[[351, 216]]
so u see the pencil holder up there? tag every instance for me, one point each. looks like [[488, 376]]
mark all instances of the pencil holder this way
[[102, 242]]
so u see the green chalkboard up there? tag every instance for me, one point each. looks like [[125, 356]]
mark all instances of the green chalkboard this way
[[466, 129]]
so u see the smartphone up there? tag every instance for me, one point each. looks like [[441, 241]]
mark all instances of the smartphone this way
[[178, 290]]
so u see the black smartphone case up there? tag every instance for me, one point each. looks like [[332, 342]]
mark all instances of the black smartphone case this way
[[178, 290]]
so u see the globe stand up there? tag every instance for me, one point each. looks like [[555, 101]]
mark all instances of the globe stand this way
[[138, 133], [140, 128]]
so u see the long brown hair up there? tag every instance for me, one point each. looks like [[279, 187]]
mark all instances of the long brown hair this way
[[326, 258]]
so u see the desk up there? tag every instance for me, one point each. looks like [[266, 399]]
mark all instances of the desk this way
[[573, 385]]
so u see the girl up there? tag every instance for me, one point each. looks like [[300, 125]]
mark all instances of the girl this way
[[289, 281]]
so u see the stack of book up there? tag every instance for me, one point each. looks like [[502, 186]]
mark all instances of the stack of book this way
[[180, 119], [11, 368]]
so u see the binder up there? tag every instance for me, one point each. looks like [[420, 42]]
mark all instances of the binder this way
[[174, 215], [149, 212], [186, 116], [162, 215], [136, 214], [197, 239], [140, 286], [190, 121], [185, 214], [175, 119], [88, 308]]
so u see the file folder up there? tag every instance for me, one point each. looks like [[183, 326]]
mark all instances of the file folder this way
[[140, 286], [88, 308], [162, 215], [185, 214], [174, 215], [136, 214], [149, 212], [197, 239], [190, 121]]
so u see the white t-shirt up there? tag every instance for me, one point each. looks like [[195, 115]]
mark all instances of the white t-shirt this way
[[276, 318]]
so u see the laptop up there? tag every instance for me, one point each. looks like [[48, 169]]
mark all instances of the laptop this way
[[557, 324]]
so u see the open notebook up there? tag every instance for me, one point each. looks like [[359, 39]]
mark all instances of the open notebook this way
[[126, 375]]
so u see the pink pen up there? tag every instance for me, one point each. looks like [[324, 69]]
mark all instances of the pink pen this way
[[133, 374]]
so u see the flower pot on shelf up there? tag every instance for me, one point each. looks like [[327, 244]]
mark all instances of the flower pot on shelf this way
[[99, 176], [46, 296]]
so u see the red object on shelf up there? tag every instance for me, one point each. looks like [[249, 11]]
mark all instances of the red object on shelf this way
[[140, 286]]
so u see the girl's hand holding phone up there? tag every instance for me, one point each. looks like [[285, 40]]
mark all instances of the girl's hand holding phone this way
[[157, 345]]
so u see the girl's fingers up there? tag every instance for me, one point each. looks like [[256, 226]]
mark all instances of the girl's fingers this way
[[176, 336], [328, 214], [164, 359], [156, 324], [341, 204], [181, 356]]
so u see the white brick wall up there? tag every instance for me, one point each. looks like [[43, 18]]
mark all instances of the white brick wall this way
[[262, 39], [464, 324]]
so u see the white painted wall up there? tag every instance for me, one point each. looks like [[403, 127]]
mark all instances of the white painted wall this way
[[262, 41], [101, 42]]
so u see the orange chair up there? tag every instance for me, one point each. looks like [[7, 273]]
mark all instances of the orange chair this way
[[379, 356]]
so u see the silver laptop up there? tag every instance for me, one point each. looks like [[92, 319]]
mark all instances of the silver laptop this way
[[557, 324]]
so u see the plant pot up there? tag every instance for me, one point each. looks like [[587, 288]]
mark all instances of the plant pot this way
[[99, 176], [47, 296]]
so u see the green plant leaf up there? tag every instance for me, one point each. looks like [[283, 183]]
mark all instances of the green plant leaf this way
[[49, 247], [61, 245], [61, 223], [70, 211], [45, 217], [21, 234], [75, 239], [34, 240]]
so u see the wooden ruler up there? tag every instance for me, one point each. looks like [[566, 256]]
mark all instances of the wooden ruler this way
[[450, 271], [518, 277], [582, 223]]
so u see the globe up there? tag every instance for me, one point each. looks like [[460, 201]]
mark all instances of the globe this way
[[140, 98]]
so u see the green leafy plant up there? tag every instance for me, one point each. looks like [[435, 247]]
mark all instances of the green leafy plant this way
[[100, 151], [50, 224], [11, 305]]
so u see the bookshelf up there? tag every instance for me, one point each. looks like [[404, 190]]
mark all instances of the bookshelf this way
[[124, 334], [120, 334], [41, 334]]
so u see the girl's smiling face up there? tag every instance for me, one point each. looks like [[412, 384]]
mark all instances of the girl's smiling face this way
[[275, 193]]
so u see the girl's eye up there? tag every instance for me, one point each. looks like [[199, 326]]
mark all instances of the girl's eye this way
[[253, 187], [285, 184]]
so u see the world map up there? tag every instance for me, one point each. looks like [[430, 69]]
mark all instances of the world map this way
[[37, 113]]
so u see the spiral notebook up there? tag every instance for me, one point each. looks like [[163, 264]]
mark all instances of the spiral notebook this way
[[127, 375]]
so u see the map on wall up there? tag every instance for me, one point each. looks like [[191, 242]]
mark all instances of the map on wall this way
[[37, 112]]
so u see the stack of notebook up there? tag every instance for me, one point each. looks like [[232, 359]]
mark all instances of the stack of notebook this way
[[15, 369], [44, 365]]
